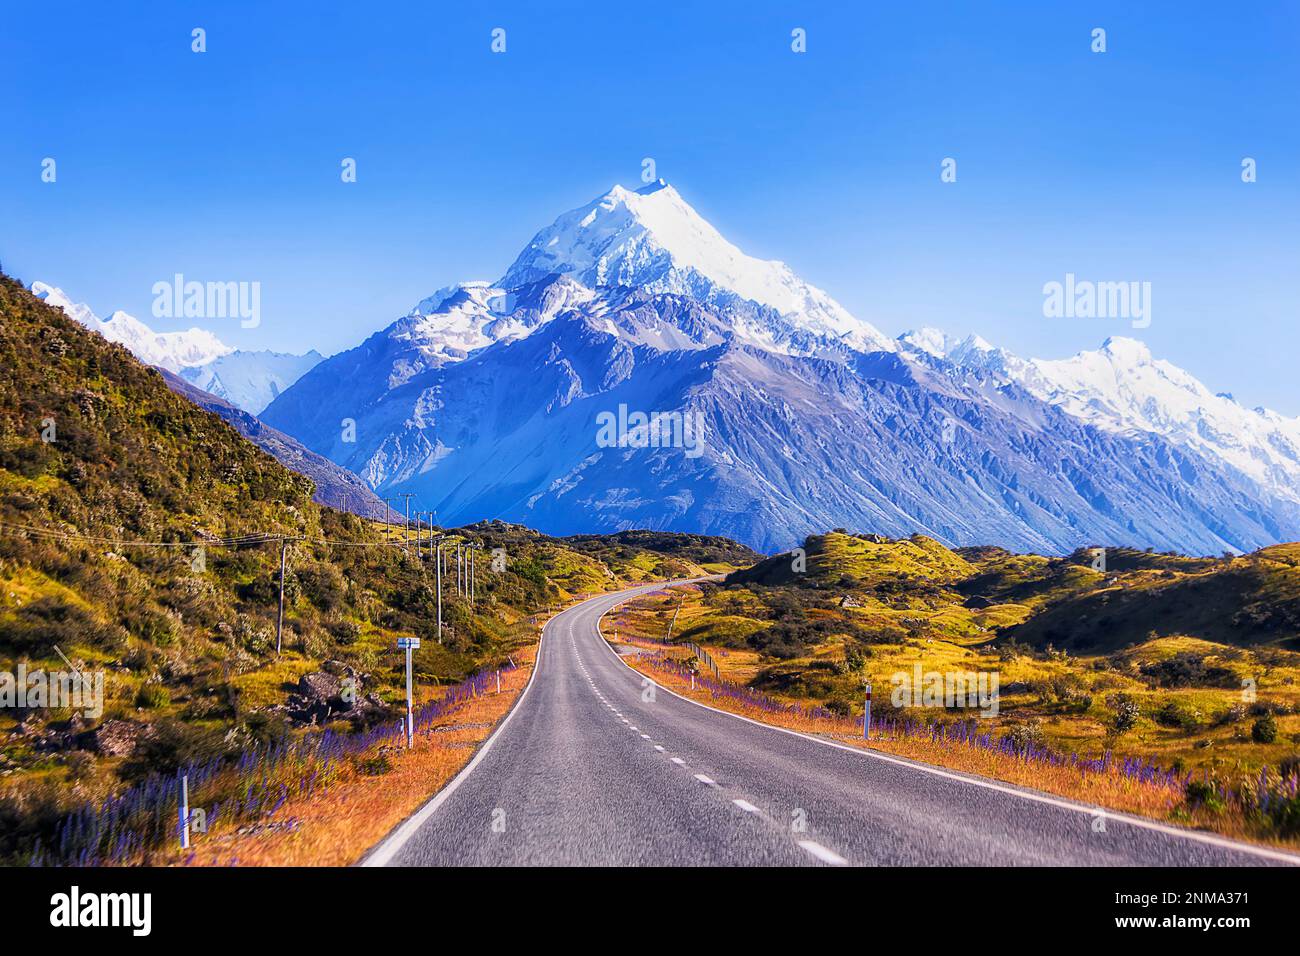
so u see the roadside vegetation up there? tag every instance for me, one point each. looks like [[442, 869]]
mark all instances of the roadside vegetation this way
[[1180, 673], [141, 538]]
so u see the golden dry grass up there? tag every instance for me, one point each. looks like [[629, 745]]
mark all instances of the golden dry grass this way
[[1110, 789], [338, 824], [1080, 724]]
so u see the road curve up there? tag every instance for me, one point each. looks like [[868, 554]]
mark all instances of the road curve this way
[[594, 766]]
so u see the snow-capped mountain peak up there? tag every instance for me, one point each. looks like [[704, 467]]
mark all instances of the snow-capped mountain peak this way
[[971, 352], [652, 239], [1120, 387], [248, 379], [251, 380], [57, 297], [483, 400], [459, 319], [1126, 351], [932, 341], [170, 350]]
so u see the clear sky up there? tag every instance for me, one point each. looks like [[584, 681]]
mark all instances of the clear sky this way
[[1117, 166]]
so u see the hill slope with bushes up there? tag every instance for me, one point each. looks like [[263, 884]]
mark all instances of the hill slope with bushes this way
[[142, 536]]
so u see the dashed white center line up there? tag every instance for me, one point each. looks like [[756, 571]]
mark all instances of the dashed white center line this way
[[707, 781], [678, 760], [658, 748], [823, 854], [645, 736], [745, 805]]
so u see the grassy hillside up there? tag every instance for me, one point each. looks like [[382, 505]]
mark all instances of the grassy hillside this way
[[141, 536], [1186, 662], [708, 552], [847, 561], [1248, 601]]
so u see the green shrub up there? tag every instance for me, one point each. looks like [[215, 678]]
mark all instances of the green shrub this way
[[1176, 714], [1264, 730], [152, 695], [1203, 793], [1126, 713], [1022, 736], [344, 630], [323, 585], [1188, 669], [375, 766], [252, 637], [171, 745]]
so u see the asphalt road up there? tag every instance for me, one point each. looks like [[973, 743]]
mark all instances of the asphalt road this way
[[595, 766]]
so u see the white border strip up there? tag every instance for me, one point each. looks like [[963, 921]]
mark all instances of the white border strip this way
[[1212, 840]]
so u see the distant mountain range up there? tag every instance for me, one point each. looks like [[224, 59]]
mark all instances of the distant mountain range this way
[[485, 402], [487, 399], [249, 380], [1122, 389]]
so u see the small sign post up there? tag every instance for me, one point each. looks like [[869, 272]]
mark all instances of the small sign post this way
[[409, 644], [866, 717], [185, 811]]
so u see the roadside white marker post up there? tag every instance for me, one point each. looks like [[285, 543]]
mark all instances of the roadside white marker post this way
[[498, 682], [185, 811], [410, 709], [866, 717], [409, 644]]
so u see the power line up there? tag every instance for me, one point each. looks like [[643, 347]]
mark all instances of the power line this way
[[246, 540]]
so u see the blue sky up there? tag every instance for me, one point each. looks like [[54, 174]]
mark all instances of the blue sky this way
[[1116, 166]]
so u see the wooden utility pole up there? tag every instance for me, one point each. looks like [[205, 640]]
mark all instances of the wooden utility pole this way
[[279, 623], [408, 496], [673, 622], [437, 563]]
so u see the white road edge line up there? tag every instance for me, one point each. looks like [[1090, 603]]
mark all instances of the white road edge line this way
[[823, 854], [1061, 803]]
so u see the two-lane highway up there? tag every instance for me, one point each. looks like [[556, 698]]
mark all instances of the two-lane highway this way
[[597, 766]]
